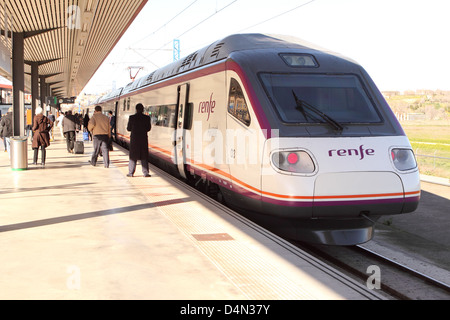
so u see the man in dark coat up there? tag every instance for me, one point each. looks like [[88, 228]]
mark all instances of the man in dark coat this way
[[139, 125]]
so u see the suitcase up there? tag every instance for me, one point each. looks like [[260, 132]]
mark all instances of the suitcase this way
[[79, 147]]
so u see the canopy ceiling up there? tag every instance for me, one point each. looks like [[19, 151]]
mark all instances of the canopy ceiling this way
[[79, 36]]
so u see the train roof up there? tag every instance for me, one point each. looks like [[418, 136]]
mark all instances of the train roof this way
[[214, 52], [114, 94]]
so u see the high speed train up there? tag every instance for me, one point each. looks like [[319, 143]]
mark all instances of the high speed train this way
[[298, 137]]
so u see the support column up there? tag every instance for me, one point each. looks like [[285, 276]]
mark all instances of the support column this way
[[18, 73], [48, 94], [34, 88], [18, 83], [43, 89], [35, 79]]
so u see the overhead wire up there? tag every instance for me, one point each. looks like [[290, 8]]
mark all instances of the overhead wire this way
[[116, 64], [274, 17], [203, 21], [165, 24], [195, 26], [279, 15], [217, 11], [149, 35]]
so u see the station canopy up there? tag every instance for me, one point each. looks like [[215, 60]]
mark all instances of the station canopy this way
[[68, 38]]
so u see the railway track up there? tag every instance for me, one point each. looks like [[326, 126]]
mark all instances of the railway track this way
[[395, 280], [362, 265]]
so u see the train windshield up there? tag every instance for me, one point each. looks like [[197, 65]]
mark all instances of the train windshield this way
[[340, 97]]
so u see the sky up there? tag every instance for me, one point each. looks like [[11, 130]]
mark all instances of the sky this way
[[402, 44]]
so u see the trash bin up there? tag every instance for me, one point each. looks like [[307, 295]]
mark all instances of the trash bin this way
[[19, 153]]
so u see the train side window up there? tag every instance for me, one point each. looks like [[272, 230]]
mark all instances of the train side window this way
[[188, 114], [128, 104], [163, 116], [237, 106], [153, 112], [124, 104], [170, 114]]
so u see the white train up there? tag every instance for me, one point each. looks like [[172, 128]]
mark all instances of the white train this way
[[297, 137]]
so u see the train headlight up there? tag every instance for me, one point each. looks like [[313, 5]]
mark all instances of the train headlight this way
[[403, 159], [293, 161]]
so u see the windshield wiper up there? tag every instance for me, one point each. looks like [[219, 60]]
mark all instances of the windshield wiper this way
[[301, 105]]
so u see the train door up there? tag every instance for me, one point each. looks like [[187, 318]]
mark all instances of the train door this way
[[180, 144], [241, 146]]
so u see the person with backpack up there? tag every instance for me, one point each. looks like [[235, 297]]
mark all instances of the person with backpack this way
[[69, 124]]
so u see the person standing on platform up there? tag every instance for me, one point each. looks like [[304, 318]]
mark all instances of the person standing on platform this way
[[69, 124], [41, 138], [101, 132], [139, 125], [112, 122], [6, 129], [85, 126], [52, 118], [59, 124]]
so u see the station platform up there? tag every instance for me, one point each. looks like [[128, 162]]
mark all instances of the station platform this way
[[73, 231]]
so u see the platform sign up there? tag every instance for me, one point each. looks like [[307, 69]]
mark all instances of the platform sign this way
[[70, 100], [51, 101], [54, 101]]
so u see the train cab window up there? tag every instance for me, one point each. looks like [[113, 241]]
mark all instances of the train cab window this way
[[237, 106], [340, 97]]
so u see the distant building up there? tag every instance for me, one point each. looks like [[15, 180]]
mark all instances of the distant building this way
[[388, 94]]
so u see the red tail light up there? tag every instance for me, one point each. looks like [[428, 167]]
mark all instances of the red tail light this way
[[293, 161]]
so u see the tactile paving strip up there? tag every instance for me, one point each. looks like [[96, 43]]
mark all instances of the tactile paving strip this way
[[254, 276]]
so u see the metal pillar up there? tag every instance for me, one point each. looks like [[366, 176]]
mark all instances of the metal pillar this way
[[18, 83], [45, 87], [43, 91], [38, 95], [18, 74], [34, 88]]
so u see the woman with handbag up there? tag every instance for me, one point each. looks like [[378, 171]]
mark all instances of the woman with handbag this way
[[41, 138]]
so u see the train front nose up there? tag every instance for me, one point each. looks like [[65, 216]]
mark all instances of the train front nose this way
[[346, 203], [351, 194]]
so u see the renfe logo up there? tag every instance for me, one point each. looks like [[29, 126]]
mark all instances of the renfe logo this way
[[352, 152], [207, 106]]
